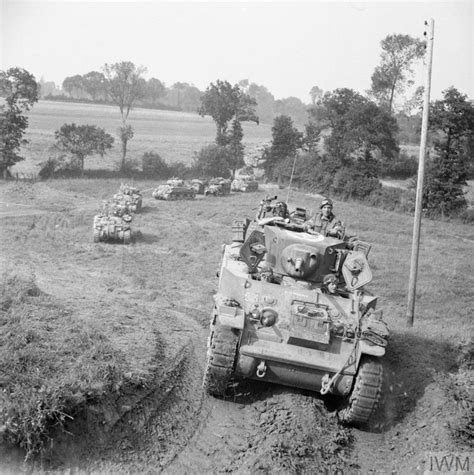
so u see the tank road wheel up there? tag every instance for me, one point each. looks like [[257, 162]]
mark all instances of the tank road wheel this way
[[365, 395], [221, 357], [96, 235], [127, 236]]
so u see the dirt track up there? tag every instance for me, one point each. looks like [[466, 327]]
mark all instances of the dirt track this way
[[154, 298]]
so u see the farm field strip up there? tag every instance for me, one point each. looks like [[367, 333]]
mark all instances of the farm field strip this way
[[174, 135]]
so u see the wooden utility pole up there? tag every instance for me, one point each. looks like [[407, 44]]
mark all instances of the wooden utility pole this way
[[421, 170]]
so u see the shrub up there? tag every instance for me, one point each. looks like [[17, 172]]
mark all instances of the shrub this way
[[401, 167], [467, 216], [60, 166], [393, 199], [213, 160], [129, 167], [48, 168], [179, 169], [154, 165], [349, 183]]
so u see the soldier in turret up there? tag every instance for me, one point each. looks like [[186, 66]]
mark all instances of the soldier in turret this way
[[325, 221]]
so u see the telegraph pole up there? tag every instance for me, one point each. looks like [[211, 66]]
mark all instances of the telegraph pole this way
[[421, 170]]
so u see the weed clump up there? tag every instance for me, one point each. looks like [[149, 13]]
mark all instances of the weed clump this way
[[50, 364]]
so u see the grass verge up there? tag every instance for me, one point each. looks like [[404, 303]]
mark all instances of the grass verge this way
[[50, 363]]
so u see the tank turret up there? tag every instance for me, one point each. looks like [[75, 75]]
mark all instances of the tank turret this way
[[292, 308]]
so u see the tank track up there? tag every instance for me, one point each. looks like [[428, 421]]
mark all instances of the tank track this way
[[221, 357], [366, 393]]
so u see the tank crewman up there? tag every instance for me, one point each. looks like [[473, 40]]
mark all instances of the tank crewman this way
[[325, 222], [281, 210], [329, 285]]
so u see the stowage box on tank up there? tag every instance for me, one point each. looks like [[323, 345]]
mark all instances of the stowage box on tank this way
[[291, 308], [113, 223], [129, 196]]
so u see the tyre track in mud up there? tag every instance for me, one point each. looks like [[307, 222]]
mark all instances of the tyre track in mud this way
[[174, 427]]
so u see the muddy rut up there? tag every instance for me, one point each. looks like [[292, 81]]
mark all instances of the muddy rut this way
[[153, 300]]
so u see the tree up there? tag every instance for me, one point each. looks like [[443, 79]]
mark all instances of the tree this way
[[224, 103], [94, 84], [20, 90], [315, 93], [47, 88], [154, 90], [74, 86], [190, 99], [213, 160], [415, 103], [286, 140], [359, 135], [390, 77], [357, 127], [83, 140], [293, 107], [236, 147], [125, 86], [154, 165], [177, 91], [265, 109], [453, 119]]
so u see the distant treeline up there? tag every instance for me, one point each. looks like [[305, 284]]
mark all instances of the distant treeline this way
[[180, 96], [185, 97]]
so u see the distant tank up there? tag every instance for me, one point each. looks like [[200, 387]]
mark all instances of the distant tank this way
[[198, 186], [244, 183], [218, 187], [130, 196], [175, 189], [292, 308], [113, 223]]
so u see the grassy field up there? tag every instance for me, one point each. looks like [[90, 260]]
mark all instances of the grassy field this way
[[174, 135], [145, 305]]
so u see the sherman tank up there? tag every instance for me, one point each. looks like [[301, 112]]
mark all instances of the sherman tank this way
[[244, 183], [198, 186], [174, 189], [130, 196], [113, 223], [218, 187], [291, 308]]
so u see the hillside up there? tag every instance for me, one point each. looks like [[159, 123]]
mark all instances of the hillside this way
[[149, 303], [174, 135]]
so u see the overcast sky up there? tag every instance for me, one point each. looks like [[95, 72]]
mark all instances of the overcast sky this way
[[288, 47]]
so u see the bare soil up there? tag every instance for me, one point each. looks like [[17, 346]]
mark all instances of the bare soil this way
[[153, 299]]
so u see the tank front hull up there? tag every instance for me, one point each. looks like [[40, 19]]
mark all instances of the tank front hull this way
[[288, 374]]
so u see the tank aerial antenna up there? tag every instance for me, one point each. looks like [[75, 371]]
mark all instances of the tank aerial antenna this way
[[291, 179]]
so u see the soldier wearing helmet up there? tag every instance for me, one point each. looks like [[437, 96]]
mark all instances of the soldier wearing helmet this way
[[325, 221], [281, 210], [329, 285]]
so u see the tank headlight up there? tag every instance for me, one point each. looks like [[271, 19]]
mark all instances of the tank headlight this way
[[268, 317]]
